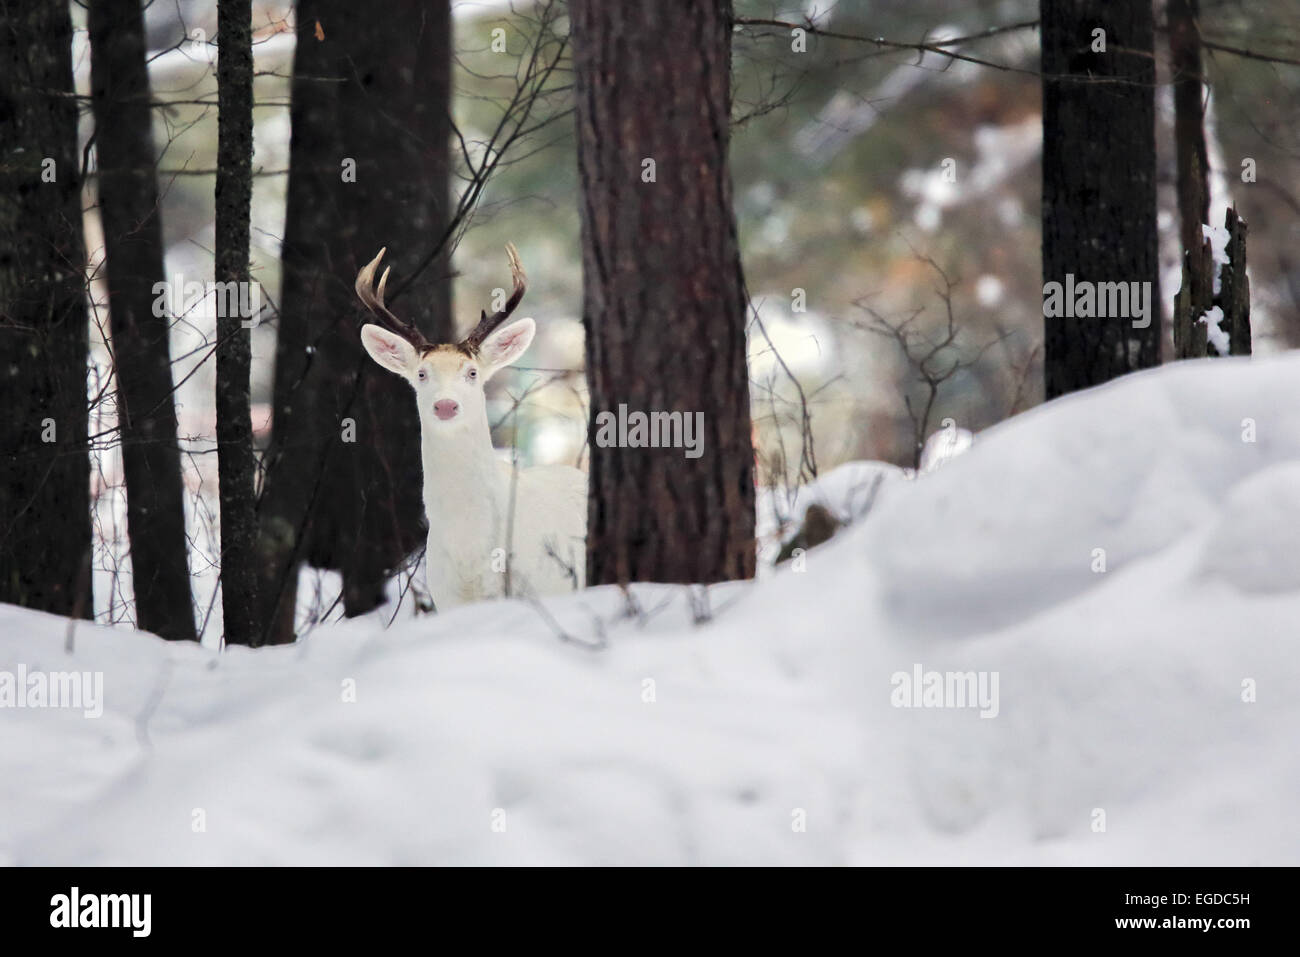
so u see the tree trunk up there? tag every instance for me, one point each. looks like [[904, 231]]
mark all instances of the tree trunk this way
[[664, 295], [234, 192], [1234, 292], [1099, 184], [1189, 121], [128, 203], [45, 530], [369, 167], [1193, 179], [1197, 297]]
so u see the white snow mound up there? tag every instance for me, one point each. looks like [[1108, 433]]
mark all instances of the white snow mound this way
[[1124, 562]]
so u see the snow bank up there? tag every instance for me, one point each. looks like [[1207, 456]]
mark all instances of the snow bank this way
[[1128, 468], [1146, 714], [848, 492]]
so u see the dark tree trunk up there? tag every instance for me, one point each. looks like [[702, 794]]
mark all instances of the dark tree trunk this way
[[1099, 182], [1189, 121], [1234, 294], [235, 458], [343, 479], [128, 204], [664, 295], [45, 539], [1193, 180], [1196, 298]]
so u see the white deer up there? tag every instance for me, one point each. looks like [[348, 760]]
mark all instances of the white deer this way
[[492, 527]]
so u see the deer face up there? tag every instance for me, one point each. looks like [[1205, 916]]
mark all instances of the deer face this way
[[449, 379]]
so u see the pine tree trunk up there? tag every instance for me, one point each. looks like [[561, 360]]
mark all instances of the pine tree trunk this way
[[1099, 182], [1193, 179], [128, 204], [369, 167], [664, 296], [1189, 121], [236, 463], [45, 529]]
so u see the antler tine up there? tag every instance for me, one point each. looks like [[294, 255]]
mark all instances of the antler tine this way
[[373, 299], [488, 324]]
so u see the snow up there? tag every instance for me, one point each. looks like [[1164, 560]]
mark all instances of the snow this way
[[1001, 152], [1218, 238], [943, 445], [848, 492], [1161, 694], [1213, 331]]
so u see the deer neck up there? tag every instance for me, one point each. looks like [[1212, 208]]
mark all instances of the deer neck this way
[[461, 476]]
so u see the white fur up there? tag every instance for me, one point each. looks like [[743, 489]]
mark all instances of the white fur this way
[[468, 490]]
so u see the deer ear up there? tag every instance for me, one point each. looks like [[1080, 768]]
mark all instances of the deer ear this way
[[390, 350], [508, 343]]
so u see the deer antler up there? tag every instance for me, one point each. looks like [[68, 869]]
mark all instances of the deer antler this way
[[373, 299], [488, 324]]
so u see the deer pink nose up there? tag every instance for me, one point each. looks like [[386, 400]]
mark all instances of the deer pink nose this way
[[446, 408]]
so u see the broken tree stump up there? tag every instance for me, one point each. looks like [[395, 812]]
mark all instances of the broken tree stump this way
[[1212, 309]]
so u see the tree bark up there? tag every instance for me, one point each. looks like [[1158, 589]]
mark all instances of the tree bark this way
[[1099, 182], [1197, 297], [128, 203], [1189, 121], [45, 529], [236, 463], [1234, 291], [1193, 187], [369, 167], [664, 295]]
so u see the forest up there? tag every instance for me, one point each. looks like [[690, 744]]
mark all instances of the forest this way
[[874, 422]]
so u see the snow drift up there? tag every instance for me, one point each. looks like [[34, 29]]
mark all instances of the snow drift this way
[[1126, 561]]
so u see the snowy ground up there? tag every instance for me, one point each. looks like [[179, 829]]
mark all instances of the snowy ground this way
[[1146, 714]]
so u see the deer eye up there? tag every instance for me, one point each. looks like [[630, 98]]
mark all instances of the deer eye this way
[[423, 375], [473, 374]]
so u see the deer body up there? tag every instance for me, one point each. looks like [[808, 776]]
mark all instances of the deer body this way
[[492, 527], [472, 528]]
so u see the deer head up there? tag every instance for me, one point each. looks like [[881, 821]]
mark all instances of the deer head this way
[[448, 378]]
